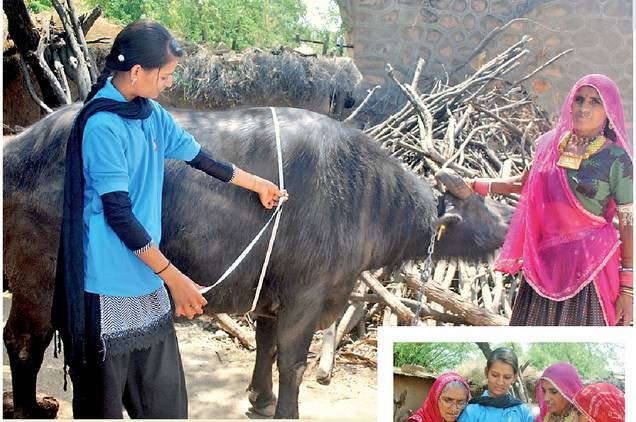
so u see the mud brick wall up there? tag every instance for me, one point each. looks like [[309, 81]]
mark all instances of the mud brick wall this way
[[446, 32]]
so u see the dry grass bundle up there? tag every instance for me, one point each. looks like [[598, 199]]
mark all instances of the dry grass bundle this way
[[280, 77]]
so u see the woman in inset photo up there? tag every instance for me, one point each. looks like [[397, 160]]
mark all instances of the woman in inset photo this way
[[555, 393], [445, 401], [496, 403]]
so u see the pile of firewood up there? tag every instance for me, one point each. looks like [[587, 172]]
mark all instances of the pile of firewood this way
[[54, 56], [483, 126]]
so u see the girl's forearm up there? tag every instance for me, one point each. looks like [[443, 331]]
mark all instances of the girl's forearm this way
[[246, 180]]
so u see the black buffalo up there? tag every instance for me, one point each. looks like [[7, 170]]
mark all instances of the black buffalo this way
[[352, 208]]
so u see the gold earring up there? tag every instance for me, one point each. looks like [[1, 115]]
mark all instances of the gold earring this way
[[610, 125], [133, 81]]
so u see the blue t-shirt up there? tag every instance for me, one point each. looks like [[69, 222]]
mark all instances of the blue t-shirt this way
[[126, 155], [479, 413]]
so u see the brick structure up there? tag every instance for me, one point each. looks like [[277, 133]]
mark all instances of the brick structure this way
[[446, 32]]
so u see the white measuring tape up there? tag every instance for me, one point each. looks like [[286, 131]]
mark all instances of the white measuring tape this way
[[276, 215]]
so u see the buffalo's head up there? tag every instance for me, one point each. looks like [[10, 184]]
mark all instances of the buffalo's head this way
[[469, 225]]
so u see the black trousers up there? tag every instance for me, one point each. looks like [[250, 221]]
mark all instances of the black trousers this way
[[149, 383]]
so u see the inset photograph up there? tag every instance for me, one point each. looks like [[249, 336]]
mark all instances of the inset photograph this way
[[508, 382]]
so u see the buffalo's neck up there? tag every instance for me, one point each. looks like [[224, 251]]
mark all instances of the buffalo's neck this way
[[403, 224]]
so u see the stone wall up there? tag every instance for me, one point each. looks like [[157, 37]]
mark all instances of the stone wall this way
[[446, 32]]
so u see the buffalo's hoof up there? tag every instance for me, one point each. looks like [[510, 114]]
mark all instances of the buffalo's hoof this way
[[46, 408], [264, 409]]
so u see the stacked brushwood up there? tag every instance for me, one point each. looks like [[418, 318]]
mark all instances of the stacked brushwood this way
[[54, 56]]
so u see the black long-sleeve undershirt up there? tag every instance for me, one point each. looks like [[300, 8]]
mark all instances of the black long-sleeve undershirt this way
[[119, 216], [207, 164]]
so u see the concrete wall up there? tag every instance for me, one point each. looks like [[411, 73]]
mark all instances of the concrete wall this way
[[446, 32]]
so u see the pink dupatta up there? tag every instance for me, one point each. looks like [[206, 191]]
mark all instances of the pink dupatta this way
[[429, 412], [560, 246], [565, 379]]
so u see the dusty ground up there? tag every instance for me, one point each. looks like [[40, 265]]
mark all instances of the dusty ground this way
[[217, 374]]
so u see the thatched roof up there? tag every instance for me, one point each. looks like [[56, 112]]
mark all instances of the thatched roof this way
[[414, 371], [280, 77]]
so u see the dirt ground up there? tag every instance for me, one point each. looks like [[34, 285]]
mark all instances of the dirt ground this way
[[217, 374]]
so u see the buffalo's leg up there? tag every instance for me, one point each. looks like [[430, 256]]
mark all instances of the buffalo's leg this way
[[296, 326], [261, 389], [27, 334]]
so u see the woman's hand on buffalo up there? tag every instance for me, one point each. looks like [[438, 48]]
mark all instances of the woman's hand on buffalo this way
[[188, 302]]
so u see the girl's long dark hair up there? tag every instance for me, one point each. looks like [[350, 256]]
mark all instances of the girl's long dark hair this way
[[143, 42], [505, 355]]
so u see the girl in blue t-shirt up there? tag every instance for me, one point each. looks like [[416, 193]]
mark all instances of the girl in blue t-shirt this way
[[113, 310], [496, 404]]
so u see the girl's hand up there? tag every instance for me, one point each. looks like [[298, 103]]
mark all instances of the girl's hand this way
[[188, 302], [269, 193]]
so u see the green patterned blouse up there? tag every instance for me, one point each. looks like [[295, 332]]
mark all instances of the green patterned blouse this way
[[607, 174]]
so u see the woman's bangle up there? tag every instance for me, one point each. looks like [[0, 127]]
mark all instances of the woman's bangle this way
[[627, 291], [626, 279], [164, 268], [627, 269], [482, 186]]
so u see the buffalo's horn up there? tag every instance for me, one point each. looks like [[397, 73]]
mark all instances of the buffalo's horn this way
[[446, 219], [454, 184]]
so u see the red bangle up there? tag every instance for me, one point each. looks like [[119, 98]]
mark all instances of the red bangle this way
[[626, 278], [481, 186]]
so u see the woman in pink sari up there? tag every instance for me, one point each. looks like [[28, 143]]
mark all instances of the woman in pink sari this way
[[555, 393], [445, 401], [577, 265]]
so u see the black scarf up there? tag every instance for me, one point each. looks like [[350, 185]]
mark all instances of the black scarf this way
[[68, 312], [502, 402]]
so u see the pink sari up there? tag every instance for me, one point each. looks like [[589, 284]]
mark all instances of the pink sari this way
[[429, 412], [565, 379], [560, 246]]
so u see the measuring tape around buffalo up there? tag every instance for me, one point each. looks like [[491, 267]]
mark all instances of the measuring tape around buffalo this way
[[276, 216]]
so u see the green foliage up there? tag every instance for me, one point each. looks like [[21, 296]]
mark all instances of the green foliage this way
[[592, 360], [235, 23], [37, 6], [436, 357]]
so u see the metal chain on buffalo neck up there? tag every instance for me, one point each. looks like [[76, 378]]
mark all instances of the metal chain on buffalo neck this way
[[424, 277]]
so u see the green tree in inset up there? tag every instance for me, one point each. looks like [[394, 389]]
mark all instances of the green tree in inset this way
[[592, 360], [436, 357]]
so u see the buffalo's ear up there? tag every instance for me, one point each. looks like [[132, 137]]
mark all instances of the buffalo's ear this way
[[453, 183], [446, 219]]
